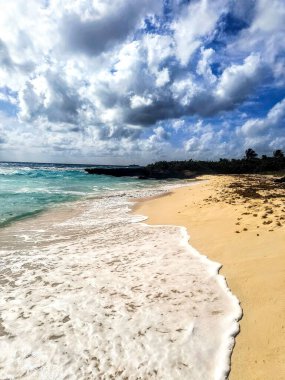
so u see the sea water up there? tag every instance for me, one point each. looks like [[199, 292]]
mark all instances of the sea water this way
[[29, 188], [89, 291]]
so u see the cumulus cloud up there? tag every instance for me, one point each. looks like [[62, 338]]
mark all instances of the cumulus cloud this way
[[49, 96], [238, 81], [266, 133], [91, 73], [264, 34], [5, 59], [100, 25], [207, 140], [196, 23], [204, 65]]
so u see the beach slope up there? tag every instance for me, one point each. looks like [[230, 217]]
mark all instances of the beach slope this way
[[239, 221]]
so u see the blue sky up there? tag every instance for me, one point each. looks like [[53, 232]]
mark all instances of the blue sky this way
[[123, 81]]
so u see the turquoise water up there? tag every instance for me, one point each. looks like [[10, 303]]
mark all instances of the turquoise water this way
[[30, 188]]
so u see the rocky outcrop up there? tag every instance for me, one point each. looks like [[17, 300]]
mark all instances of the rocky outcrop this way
[[280, 180], [119, 172], [142, 172]]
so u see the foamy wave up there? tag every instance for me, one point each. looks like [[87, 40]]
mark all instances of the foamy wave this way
[[14, 171], [102, 295]]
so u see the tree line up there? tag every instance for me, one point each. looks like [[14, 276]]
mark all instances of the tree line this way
[[250, 163]]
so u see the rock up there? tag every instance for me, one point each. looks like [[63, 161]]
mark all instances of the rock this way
[[142, 172], [280, 180]]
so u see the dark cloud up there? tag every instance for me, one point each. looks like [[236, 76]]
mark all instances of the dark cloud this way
[[9, 64], [66, 103], [148, 115], [242, 12], [63, 102], [105, 132], [94, 36], [235, 85], [5, 59]]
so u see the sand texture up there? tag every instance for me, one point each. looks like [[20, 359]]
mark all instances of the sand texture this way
[[239, 221]]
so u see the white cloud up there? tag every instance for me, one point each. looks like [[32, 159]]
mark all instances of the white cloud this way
[[265, 34], [208, 142], [162, 77], [178, 124], [204, 65], [272, 124], [92, 72], [237, 81], [158, 49], [196, 22], [140, 101], [269, 17]]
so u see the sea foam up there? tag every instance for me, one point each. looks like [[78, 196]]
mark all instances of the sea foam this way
[[99, 294]]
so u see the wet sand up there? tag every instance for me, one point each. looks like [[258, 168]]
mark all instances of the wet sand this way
[[239, 221]]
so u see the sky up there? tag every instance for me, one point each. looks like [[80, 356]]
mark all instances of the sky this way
[[137, 81]]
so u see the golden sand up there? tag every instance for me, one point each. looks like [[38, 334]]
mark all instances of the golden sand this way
[[239, 221]]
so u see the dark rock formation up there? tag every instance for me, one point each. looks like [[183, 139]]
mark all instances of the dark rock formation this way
[[142, 172], [119, 172], [280, 180]]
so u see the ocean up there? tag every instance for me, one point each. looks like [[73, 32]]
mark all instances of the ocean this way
[[89, 291], [30, 188]]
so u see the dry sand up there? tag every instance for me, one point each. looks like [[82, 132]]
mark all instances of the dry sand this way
[[239, 221]]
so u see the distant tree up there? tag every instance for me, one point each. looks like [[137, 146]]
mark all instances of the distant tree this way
[[250, 154], [278, 154], [225, 160], [264, 157]]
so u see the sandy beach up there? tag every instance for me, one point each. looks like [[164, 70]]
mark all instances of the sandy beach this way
[[239, 221]]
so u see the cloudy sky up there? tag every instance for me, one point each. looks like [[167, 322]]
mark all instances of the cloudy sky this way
[[134, 81]]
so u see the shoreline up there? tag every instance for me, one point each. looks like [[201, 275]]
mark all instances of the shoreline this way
[[105, 273], [248, 244], [79, 226]]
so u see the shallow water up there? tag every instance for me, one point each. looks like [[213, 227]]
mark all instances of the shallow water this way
[[27, 189], [91, 292]]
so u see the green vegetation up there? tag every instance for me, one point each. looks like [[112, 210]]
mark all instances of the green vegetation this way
[[251, 163]]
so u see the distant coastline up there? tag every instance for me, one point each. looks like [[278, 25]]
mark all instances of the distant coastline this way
[[249, 164]]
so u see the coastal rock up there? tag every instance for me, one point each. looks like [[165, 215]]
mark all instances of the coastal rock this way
[[142, 172], [280, 180]]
